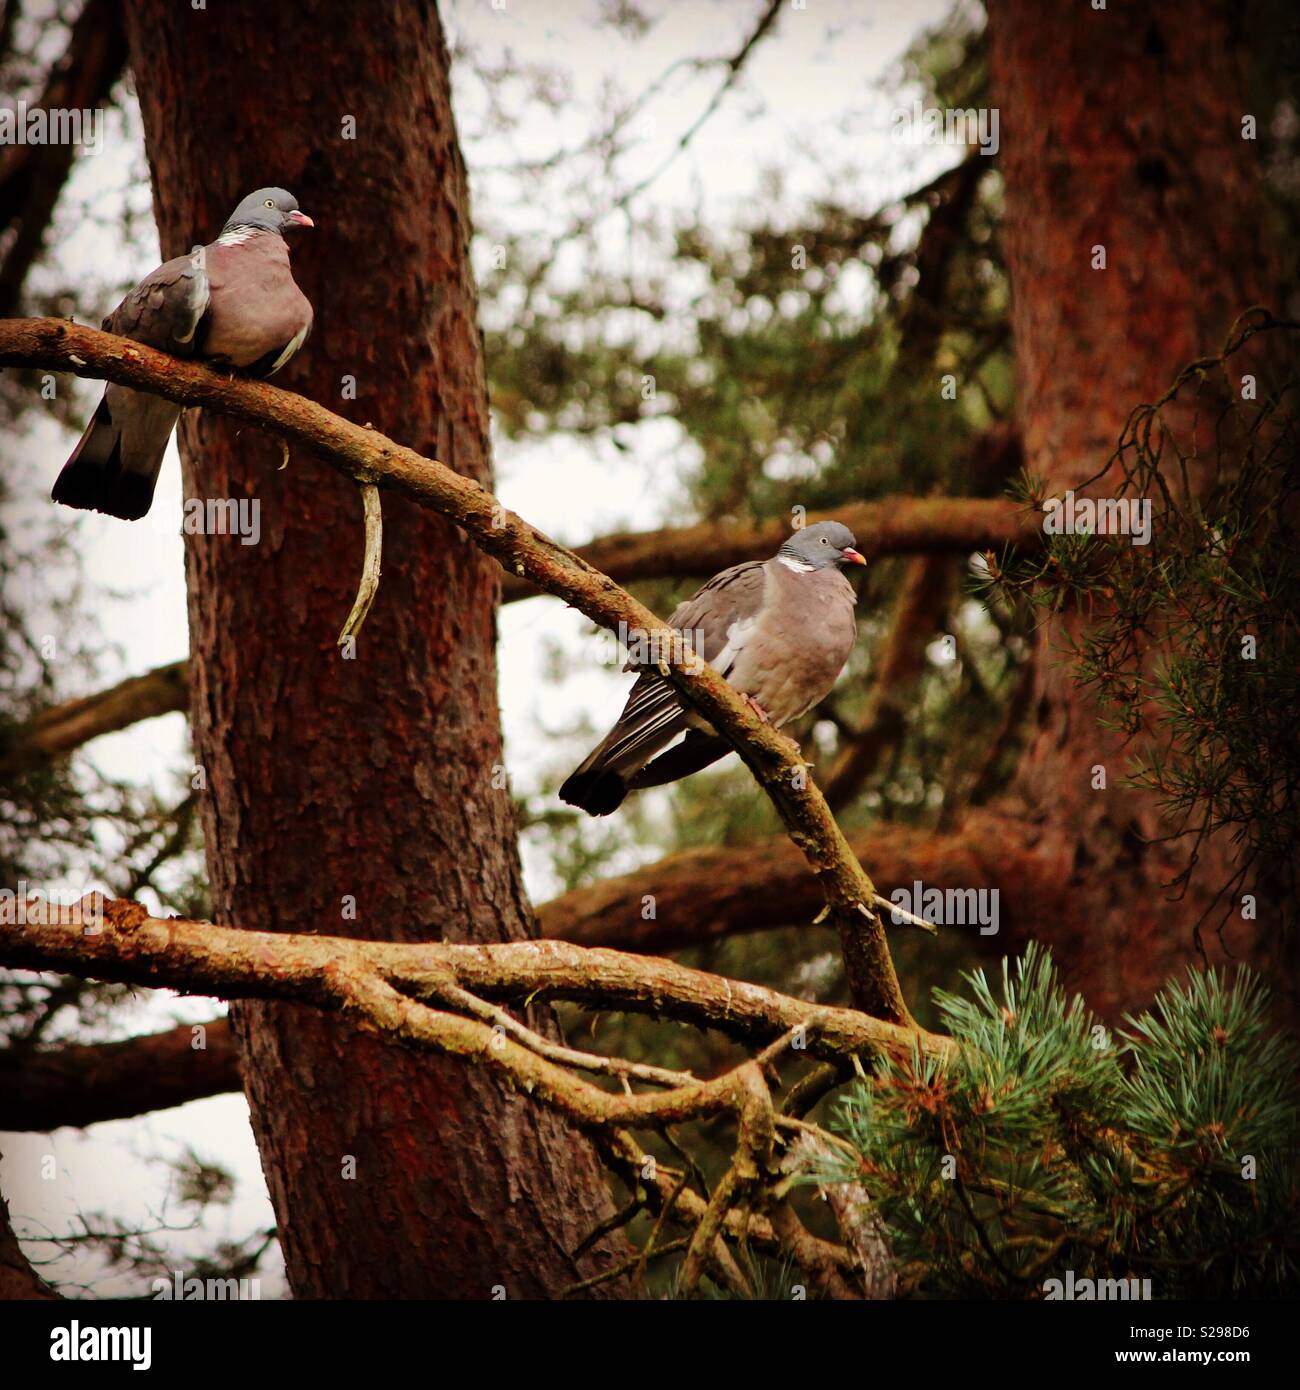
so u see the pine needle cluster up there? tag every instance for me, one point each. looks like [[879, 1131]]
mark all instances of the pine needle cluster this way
[[1051, 1145]]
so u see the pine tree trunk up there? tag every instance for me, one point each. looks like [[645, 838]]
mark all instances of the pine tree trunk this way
[[1120, 128], [367, 782]]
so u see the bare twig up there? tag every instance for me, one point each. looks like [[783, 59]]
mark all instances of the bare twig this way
[[905, 915], [557, 1052], [369, 585], [733, 68], [632, 1262]]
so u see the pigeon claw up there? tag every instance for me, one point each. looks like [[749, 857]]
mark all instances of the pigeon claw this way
[[757, 708]]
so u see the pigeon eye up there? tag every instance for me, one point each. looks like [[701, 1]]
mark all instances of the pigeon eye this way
[[270, 202], [825, 541]]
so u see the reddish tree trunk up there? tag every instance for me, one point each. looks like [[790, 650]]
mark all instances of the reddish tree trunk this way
[[1121, 129], [367, 781]]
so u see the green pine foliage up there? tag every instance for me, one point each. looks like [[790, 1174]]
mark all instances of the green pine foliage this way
[[1192, 647], [1163, 1152]]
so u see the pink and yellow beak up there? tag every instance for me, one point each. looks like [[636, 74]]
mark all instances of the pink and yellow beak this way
[[853, 556]]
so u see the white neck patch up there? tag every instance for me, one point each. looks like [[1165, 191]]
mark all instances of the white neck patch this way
[[796, 565], [236, 236]]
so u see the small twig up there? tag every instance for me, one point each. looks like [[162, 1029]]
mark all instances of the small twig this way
[[692, 1167], [887, 906], [823, 1136], [369, 585], [623, 1266], [558, 1052], [603, 1228], [754, 1136], [624, 1156], [808, 1090], [774, 1049], [706, 1246], [664, 1212]]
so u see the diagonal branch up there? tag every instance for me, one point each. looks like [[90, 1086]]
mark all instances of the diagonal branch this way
[[58, 730], [369, 456], [894, 525]]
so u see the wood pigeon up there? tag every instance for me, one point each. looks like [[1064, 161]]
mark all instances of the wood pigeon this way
[[234, 304], [779, 630]]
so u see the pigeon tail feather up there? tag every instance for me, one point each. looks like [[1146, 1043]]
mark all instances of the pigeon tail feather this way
[[598, 790], [94, 480], [696, 751]]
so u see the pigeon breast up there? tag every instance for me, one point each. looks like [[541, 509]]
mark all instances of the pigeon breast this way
[[796, 650], [255, 309]]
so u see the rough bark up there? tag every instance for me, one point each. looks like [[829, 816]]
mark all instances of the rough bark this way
[[1135, 145], [369, 781]]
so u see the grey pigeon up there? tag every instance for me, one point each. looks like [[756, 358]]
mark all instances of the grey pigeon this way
[[779, 630], [234, 304]]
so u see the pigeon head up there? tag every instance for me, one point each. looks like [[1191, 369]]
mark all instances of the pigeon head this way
[[269, 210], [822, 545]]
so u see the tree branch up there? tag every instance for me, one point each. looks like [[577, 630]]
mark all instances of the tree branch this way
[[705, 894], [201, 958], [435, 997], [893, 525], [58, 730], [86, 1083], [699, 895], [369, 456]]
